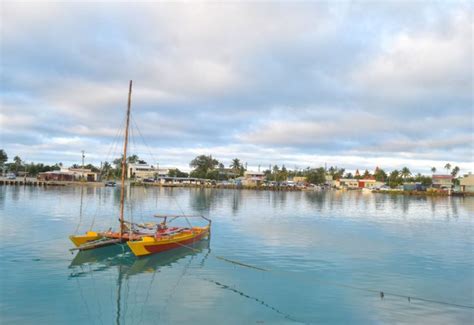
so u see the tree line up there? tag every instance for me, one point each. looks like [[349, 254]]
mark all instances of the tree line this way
[[208, 167]]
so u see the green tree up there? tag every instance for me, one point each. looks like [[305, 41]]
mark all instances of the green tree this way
[[338, 174], [380, 175], [424, 180], [405, 173], [447, 167], [433, 169], [455, 171], [92, 168], [203, 165], [133, 159], [366, 174], [348, 175], [275, 172], [316, 176], [17, 164], [394, 178], [284, 171], [3, 157], [331, 171], [268, 174], [106, 169], [117, 162], [236, 165], [357, 175]]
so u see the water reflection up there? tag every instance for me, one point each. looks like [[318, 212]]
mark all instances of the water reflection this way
[[119, 256], [418, 246]]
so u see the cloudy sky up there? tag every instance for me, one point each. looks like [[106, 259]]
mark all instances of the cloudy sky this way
[[357, 84]]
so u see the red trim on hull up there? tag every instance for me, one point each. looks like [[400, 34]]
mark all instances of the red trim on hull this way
[[161, 248]]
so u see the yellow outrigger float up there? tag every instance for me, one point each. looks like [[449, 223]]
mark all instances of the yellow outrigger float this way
[[143, 239]]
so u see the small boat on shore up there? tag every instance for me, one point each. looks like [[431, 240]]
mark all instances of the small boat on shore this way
[[147, 238]]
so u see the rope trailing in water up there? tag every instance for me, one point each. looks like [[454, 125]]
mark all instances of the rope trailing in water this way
[[226, 259], [260, 301], [241, 264], [380, 292]]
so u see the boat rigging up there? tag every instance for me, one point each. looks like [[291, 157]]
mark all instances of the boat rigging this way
[[145, 238]]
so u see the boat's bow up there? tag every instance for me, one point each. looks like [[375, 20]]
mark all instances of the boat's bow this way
[[80, 240]]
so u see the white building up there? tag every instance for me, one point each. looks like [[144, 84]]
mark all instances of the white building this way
[[253, 178], [467, 183], [349, 183], [81, 173], [142, 171]]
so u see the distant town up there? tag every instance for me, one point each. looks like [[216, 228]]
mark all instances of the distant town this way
[[208, 171]]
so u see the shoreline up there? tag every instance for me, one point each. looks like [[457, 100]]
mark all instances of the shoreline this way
[[35, 182]]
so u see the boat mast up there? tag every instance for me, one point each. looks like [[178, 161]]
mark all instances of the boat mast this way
[[124, 160]]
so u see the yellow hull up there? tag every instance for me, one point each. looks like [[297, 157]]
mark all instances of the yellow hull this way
[[82, 239], [148, 245]]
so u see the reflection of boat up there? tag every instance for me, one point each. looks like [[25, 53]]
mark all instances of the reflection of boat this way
[[115, 256], [127, 265], [143, 239]]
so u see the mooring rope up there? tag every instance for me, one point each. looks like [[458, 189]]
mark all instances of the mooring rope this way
[[380, 292], [260, 301]]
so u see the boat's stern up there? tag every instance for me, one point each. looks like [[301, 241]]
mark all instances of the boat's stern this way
[[79, 240]]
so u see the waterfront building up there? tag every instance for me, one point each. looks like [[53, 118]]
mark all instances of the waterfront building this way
[[299, 179], [56, 175], [82, 173], [467, 183], [329, 181], [442, 181], [228, 172], [143, 171], [69, 175], [253, 178], [367, 182], [348, 183]]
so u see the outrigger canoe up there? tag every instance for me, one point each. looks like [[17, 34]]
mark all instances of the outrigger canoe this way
[[145, 239], [179, 238]]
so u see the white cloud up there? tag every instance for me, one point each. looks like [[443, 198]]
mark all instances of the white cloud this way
[[293, 83], [423, 63]]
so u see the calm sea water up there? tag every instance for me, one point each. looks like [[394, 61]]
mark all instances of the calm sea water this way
[[327, 257]]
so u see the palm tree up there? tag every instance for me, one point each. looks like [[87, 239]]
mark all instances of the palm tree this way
[[133, 159], [447, 167], [433, 170], [455, 171], [17, 162], [405, 172], [106, 168], [235, 165], [393, 179]]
